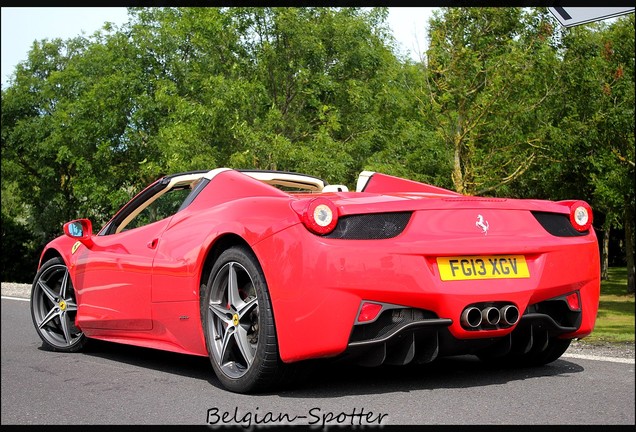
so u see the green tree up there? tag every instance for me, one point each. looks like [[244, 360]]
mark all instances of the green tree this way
[[325, 73], [613, 132], [504, 104], [88, 122], [489, 71], [30, 145], [589, 136]]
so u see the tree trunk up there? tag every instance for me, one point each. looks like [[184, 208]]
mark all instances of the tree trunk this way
[[629, 246], [605, 249], [456, 175]]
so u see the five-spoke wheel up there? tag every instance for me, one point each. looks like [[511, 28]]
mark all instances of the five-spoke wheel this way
[[234, 319], [53, 308], [239, 324]]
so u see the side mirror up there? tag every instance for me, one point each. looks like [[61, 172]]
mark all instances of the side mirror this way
[[80, 229]]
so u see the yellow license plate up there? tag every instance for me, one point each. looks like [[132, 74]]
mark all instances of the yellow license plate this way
[[483, 267]]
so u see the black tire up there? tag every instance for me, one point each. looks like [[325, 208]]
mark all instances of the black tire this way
[[238, 323], [54, 307]]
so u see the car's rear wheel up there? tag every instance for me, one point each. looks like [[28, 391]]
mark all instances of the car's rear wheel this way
[[239, 324], [54, 307]]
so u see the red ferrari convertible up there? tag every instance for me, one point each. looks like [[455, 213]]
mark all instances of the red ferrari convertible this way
[[262, 269]]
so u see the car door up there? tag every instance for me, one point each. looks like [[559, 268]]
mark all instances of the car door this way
[[113, 277]]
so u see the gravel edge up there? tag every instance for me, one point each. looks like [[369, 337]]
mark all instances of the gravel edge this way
[[599, 349], [12, 289]]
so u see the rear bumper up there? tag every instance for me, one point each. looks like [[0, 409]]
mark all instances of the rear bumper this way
[[317, 286], [403, 335]]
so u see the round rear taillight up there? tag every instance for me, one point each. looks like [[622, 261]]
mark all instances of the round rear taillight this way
[[320, 216], [581, 216]]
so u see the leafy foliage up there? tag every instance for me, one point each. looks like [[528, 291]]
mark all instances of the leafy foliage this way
[[505, 102]]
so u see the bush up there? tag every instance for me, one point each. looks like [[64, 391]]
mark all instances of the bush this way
[[19, 253]]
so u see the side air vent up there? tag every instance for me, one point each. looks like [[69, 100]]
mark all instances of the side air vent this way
[[557, 224], [375, 226]]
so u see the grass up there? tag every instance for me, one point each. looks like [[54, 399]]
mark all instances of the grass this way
[[615, 319]]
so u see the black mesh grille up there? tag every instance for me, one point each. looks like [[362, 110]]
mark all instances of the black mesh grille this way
[[387, 322], [374, 226], [557, 224]]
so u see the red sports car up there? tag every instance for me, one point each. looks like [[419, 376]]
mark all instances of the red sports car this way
[[262, 269]]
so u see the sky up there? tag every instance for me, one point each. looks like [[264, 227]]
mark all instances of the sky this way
[[21, 26]]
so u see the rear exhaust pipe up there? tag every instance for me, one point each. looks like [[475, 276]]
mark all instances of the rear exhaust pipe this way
[[490, 315], [509, 314], [471, 317]]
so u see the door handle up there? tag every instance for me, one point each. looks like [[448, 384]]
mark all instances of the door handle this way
[[153, 244]]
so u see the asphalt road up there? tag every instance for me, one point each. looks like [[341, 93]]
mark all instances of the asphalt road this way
[[117, 385]]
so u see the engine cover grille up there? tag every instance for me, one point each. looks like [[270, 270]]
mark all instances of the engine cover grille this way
[[374, 226], [557, 224]]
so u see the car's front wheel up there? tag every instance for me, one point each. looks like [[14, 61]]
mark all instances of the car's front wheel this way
[[54, 307], [239, 324]]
